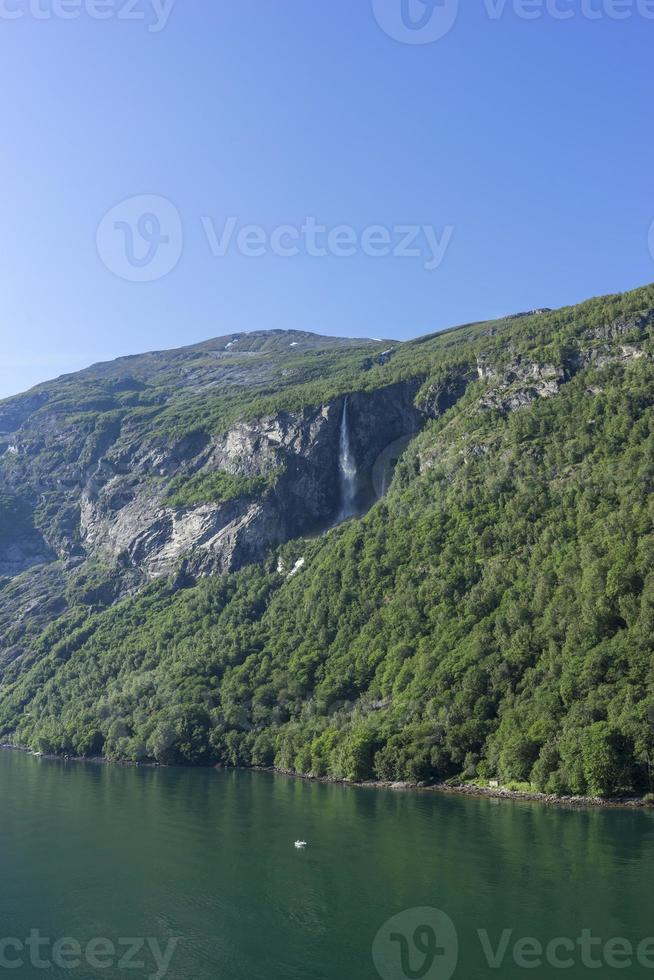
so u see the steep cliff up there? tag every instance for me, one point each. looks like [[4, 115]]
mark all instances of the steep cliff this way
[[182, 581], [92, 467]]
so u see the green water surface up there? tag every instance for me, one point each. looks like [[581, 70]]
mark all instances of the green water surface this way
[[204, 860]]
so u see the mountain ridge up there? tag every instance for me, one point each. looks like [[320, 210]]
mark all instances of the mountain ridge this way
[[254, 341], [176, 538]]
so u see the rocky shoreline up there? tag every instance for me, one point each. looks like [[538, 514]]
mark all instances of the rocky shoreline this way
[[462, 789], [470, 789]]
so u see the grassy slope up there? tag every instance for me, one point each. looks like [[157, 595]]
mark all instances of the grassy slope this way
[[492, 616]]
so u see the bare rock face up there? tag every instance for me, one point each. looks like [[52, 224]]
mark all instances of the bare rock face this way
[[302, 448], [89, 464], [516, 384], [440, 397], [85, 496], [108, 496], [635, 326], [162, 466], [19, 556], [127, 516], [92, 483]]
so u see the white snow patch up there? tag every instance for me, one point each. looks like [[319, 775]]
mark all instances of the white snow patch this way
[[300, 563]]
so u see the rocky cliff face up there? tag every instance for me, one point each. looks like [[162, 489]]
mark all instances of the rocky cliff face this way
[[91, 494], [87, 463], [124, 516]]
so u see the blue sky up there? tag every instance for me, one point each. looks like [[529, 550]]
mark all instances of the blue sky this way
[[522, 144]]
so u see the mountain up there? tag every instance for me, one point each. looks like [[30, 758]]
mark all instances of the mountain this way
[[370, 560]]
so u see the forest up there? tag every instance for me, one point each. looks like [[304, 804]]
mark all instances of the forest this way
[[492, 617]]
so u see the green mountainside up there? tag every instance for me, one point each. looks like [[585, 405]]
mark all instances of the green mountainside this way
[[489, 616]]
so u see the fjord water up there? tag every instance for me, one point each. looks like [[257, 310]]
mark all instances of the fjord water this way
[[90, 851]]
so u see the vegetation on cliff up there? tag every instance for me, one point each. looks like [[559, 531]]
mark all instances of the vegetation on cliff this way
[[217, 487], [491, 617]]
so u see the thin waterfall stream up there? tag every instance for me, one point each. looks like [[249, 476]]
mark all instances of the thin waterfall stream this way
[[348, 470]]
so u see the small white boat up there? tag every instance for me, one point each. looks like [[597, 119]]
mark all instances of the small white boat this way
[[300, 844]]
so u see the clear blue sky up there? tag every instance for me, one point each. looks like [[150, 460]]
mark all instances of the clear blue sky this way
[[531, 138]]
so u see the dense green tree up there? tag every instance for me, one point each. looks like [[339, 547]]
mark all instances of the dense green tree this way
[[491, 617]]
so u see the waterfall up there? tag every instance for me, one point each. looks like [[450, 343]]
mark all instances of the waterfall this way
[[348, 470]]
